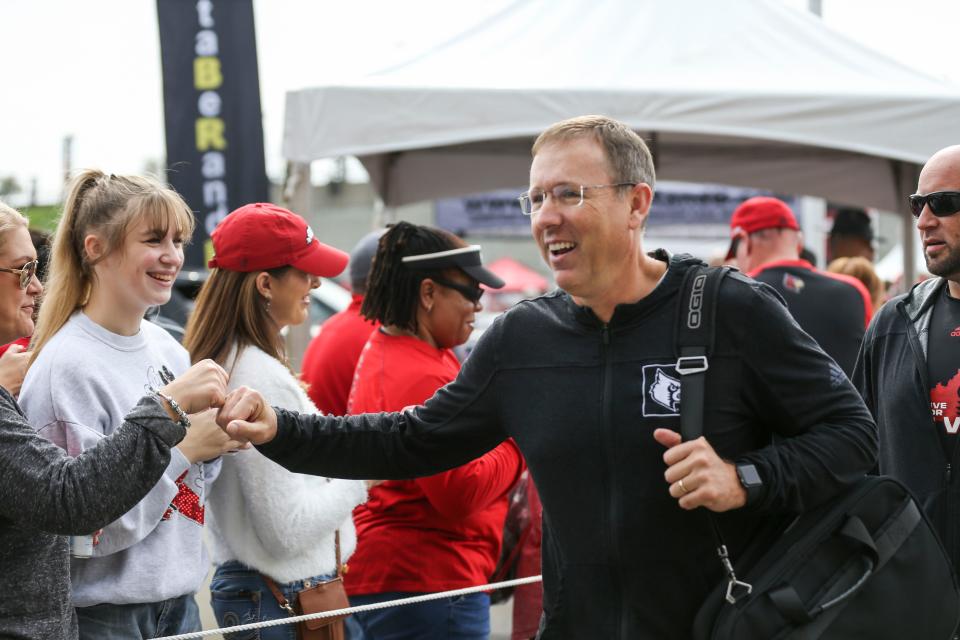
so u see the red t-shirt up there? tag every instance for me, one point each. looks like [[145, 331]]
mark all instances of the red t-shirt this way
[[428, 534], [332, 355]]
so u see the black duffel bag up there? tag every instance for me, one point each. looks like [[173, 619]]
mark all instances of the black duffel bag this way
[[867, 564]]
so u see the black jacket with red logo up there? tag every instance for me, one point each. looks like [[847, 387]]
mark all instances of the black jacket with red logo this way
[[893, 379], [833, 308], [582, 398]]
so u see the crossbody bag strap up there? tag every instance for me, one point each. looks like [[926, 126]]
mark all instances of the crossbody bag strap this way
[[281, 599], [695, 333], [341, 569]]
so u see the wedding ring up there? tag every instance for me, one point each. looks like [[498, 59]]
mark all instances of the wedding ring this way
[[682, 488]]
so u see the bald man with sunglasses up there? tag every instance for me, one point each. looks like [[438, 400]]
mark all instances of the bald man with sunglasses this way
[[908, 370]]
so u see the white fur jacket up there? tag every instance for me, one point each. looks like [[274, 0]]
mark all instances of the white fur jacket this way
[[278, 522]]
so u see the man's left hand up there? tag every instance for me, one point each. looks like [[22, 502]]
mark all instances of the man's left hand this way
[[698, 477]]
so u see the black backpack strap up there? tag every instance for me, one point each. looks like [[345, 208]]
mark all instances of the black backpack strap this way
[[696, 329], [695, 332]]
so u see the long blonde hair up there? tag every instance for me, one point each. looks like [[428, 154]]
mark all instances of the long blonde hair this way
[[108, 206], [10, 219], [230, 311]]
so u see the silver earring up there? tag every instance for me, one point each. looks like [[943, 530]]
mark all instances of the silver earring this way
[[268, 304]]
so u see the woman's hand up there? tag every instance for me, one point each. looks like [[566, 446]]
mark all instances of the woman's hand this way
[[200, 387], [13, 368]]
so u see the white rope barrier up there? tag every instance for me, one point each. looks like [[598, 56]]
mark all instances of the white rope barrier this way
[[366, 607]]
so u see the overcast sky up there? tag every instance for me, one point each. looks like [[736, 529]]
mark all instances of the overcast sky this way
[[91, 68]]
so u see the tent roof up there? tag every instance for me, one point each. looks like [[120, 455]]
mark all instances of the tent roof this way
[[742, 92]]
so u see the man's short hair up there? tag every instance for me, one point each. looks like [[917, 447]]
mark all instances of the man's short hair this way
[[627, 154]]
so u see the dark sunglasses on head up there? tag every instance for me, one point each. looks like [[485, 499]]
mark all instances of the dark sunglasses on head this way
[[941, 203], [473, 294], [26, 273]]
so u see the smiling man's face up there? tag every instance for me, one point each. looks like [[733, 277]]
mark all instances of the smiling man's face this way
[[586, 246]]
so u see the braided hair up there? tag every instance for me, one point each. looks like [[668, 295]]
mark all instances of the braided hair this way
[[393, 289]]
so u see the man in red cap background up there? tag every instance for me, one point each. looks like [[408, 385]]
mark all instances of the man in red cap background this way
[[833, 308]]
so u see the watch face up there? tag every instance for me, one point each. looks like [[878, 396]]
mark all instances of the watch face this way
[[749, 476]]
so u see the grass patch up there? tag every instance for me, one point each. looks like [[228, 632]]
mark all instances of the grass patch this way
[[42, 217]]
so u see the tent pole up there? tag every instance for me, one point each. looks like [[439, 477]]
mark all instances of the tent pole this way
[[905, 177]]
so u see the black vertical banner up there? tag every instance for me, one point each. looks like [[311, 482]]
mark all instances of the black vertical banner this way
[[211, 100]]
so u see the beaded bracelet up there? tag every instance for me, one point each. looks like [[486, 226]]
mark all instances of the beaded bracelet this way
[[184, 420]]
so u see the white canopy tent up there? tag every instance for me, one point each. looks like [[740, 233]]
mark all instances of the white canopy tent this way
[[742, 92]]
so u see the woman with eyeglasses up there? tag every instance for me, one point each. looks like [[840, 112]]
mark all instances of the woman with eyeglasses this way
[[272, 531], [46, 495], [116, 252], [441, 532]]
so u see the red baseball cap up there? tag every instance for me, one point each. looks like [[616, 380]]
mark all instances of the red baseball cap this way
[[756, 214], [262, 236]]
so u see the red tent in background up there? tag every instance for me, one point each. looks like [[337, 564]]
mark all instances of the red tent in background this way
[[518, 277]]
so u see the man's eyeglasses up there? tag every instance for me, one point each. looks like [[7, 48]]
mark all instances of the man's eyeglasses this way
[[567, 195], [941, 203], [471, 293], [26, 273]]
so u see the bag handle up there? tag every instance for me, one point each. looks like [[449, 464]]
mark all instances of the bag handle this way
[[877, 551]]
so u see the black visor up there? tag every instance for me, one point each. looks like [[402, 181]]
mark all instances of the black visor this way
[[467, 259]]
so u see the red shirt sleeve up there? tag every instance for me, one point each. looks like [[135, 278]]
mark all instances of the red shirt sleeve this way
[[475, 485]]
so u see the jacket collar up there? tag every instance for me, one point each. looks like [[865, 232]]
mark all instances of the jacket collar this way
[[628, 313], [921, 297]]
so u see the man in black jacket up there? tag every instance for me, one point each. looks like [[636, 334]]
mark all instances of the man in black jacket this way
[[833, 308], [909, 368], [584, 380]]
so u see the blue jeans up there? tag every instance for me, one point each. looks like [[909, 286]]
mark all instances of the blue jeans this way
[[135, 621], [239, 595], [459, 618]]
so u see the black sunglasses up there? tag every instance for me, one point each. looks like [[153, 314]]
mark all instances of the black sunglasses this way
[[26, 273], [473, 294], [941, 203]]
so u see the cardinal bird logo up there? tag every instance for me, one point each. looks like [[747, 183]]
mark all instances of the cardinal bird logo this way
[[186, 502], [793, 283]]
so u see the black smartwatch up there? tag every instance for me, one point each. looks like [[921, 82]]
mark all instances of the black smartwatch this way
[[750, 480]]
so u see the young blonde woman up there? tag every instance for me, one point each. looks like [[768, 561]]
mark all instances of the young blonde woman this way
[[116, 252], [46, 495], [268, 523]]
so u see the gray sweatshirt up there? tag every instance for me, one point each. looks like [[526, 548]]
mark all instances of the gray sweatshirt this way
[[46, 495], [75, 394]]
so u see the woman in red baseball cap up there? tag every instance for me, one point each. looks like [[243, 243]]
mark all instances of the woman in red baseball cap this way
[[444, 531], [116, 252], [274, 533]]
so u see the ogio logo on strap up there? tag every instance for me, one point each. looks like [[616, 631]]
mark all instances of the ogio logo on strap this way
[[695, 313]]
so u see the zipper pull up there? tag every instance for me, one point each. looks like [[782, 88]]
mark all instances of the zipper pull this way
[[605, 333], [949, 472]]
